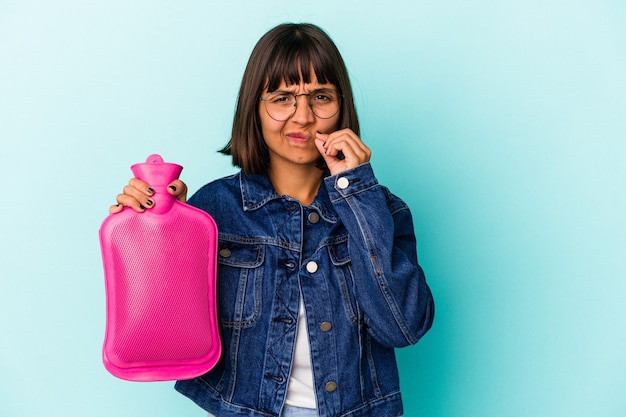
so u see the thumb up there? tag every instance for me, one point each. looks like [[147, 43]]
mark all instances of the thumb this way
[[178, 189]]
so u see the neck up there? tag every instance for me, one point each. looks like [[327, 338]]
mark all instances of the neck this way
[[301, 183]]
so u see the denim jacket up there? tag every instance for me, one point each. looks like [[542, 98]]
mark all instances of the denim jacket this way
[[350, 256]]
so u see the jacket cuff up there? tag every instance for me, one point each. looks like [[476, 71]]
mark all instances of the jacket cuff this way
[[350, 182]]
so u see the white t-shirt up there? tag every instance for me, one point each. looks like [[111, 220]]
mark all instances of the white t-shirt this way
[[300, 391]]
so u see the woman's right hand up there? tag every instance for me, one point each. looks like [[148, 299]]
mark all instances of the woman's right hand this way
[[138, 195]]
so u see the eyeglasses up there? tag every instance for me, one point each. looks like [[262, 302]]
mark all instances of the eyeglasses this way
[[281, 105]]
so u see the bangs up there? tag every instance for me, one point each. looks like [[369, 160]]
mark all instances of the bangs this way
[[297, 59]]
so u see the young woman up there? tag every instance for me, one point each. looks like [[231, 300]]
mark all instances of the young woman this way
[[318, 273]]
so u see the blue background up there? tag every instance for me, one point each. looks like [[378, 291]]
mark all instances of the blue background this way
[[502, 124]]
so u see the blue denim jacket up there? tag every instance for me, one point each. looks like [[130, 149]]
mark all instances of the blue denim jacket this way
[[351, 257]]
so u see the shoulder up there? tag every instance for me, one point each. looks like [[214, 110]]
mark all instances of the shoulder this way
[[394, 203], [218, 192], [228, 181]]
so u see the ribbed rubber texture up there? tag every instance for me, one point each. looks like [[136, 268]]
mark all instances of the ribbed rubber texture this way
[[160, 282]]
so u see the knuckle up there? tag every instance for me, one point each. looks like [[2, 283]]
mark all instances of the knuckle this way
[[128, 189]]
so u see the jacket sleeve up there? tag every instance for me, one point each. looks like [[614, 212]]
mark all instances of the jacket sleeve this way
[[389, 283]]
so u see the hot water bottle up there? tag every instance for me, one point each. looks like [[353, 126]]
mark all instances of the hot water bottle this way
[[160, 281]]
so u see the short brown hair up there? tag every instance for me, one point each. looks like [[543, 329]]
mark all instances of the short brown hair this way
[[285, 53]]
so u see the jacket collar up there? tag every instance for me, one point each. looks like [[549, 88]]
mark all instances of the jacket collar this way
[[257, 191]]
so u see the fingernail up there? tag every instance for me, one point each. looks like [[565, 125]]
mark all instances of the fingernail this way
[[172, 187], [150, 190], [141, 207], [149, 203]]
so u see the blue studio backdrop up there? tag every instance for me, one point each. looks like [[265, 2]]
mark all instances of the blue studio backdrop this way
[[501, 123]]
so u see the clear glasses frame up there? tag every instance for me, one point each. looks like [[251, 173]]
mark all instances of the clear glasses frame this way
[[282, 105]]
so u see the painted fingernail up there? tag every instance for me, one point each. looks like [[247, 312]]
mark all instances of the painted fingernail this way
[[172, 187], [141, 207], [150, 190], [149, 202]]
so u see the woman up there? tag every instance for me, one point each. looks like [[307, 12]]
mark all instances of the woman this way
[[318, 273]]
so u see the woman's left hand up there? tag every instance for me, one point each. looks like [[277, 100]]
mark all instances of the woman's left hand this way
[[348, 143]]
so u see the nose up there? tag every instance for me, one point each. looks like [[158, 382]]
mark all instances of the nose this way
[[303, 113]]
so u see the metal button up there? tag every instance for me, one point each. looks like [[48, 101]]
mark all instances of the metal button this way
[[343, 183], [314, 217], [331, 386], [225, 253], [311, 267], [326, 326]]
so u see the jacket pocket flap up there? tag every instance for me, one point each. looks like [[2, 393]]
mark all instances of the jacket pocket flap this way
[[241, 255]]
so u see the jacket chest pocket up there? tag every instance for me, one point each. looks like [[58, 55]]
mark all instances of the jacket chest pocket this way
[[240, 268]]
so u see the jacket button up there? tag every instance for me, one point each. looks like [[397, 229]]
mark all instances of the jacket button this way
[[225, 253], [313, 217], [331, 386], [326, 326], [343, 183], [311, 267]]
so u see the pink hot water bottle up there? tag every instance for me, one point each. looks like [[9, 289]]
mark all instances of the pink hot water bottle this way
[[160, 281]]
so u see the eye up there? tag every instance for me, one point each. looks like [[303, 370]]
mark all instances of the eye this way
[[323, 96], [280, 98]]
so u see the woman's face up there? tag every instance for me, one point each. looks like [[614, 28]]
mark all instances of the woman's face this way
[[292, 141]]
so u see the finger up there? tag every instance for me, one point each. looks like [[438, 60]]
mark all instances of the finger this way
[[350, 153], [357, 144], [350, 145], [115, 208], [136, 194], [356, 152], [320, 142], [140, 186], [139, 205], [178, 189], [336, 139], [135, 197]]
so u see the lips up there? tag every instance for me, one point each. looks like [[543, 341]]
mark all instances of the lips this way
[[298, 137]]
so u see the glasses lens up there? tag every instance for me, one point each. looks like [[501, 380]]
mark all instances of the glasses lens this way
[[281, 106], [324, 103]]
